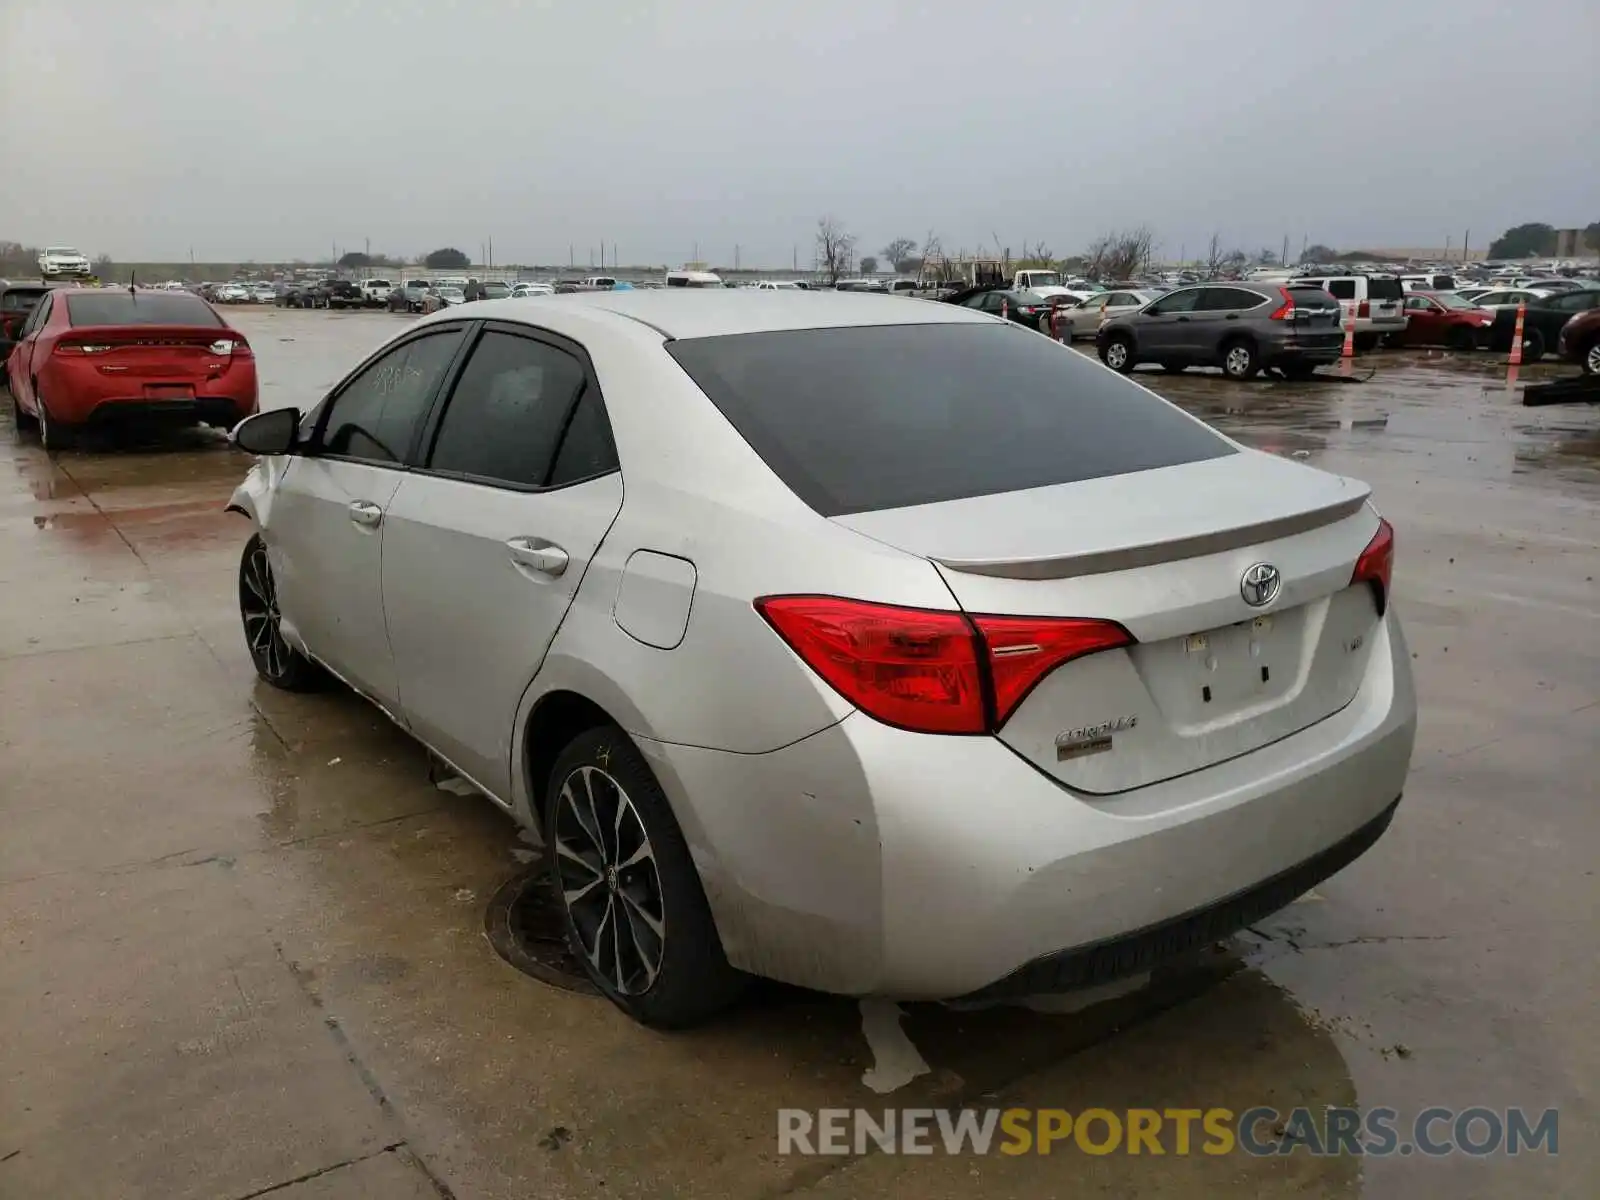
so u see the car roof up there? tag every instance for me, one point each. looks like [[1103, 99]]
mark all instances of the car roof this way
[[694, 313]]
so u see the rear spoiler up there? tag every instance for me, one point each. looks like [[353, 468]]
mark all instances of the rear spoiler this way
[[1126, 558]]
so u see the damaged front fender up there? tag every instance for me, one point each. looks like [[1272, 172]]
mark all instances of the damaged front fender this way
[[253, 496]]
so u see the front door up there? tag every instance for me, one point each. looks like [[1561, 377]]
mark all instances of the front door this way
[[486, 543], [1165, 326], [325, 530]]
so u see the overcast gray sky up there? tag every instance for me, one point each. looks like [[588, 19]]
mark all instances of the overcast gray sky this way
[[275, 128]]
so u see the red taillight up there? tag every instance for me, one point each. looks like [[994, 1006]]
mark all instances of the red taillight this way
[[1364, 310], [931, 671], [76, 348], [1376, 564], [1023, 650], [1285, 311]]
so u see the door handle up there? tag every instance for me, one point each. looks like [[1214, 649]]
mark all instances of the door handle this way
[[366, 514], [536, 554], [1232, 317]]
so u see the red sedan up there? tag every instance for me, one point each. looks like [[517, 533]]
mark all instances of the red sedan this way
[[94, 356], [1443, 319]]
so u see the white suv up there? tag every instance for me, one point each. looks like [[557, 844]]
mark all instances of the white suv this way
[[1379, 300], [62, 260]]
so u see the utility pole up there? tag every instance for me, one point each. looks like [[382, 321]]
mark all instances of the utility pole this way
[[795, 252], [696, 252], [615, 261], [602, 254], [1283, 259], [491, 252], [1465, 238], [736, 256], [369, 247], [571, 261]]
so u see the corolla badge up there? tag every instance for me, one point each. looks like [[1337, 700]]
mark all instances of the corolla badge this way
[[1260, 585], [1092, 739]]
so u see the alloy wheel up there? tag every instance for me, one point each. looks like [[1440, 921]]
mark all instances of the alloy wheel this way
[[609, 881], [1238, 361], [1591, 360], [258, 605], [1117, 356]]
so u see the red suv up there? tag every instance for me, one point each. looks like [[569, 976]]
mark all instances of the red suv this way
[[1442, 319]]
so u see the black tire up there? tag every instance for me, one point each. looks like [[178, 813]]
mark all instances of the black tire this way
[[675, 975], [1461, 338], [1589, 356], [1239, 359], [1116, 352], [1532, 345], [53, 434], [1174, 368], [277, 662], [1366, 342]]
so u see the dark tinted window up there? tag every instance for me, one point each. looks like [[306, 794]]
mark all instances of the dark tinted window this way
[[20, 299], [868, 418], [139, 308], [508, 411], [1384, 289], [375, 417], [1178, 302], [1228, 300], [586, 448], [1342, 289], [1568, 302], [1312, 298]]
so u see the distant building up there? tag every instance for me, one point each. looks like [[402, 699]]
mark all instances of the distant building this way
[[1570, 243]]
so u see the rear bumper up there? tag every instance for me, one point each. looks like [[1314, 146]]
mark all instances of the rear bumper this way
[[102, 400], [871, 860]]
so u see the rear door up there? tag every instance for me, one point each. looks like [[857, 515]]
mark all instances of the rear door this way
[[487, 541], [1218, 317], [326, 526], [1384, 298]]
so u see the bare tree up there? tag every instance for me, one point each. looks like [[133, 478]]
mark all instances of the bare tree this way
[[1039, 253], [1115, 255], [1214, 256], [899, 253], [933, 257], [834, 246]]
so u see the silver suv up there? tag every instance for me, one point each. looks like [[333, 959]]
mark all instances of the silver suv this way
[[1240, 327]]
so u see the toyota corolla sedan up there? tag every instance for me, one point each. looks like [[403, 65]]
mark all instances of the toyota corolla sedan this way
[[881, 649]]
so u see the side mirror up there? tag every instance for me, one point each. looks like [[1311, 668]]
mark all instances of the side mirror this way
[[268, 433]]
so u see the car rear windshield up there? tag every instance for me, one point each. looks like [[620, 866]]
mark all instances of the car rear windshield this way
[[145, 308], [1311, 297], [1384, 289], [888, 416]]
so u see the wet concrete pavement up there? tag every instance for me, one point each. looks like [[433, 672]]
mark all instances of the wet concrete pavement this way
[[242, 935]]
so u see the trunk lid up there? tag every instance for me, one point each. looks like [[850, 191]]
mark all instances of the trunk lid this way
[[172, 354], [1165, 553]]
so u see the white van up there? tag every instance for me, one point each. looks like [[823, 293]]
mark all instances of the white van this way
[[1379, 300], [693, 279]]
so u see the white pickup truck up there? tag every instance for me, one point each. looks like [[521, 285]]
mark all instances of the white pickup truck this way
[[375, 292], [1040, 283]]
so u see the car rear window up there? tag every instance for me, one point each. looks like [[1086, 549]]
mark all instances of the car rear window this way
[[1312, 298], [1384, 289], [143, 308], [860, 419]]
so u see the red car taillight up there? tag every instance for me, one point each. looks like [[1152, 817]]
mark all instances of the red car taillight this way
[[80, 348], [931, 671], [234, 345], [1365, 309], [1284, 311], [1376, 564]]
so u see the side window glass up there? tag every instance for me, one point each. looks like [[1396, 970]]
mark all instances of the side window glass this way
[[586, 448], [508, 410], [375, 417], [1178, 302], [40, 313], [1342, 289]]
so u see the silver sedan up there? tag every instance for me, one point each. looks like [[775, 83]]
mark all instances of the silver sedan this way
[[881, 649], [1085, 318]]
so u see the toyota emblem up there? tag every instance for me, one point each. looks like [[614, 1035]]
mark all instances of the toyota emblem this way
[[1261, 585]]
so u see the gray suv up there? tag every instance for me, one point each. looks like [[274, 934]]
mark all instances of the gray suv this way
[[1240, 327]]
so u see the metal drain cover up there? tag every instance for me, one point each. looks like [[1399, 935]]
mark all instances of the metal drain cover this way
[[525, 928]]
